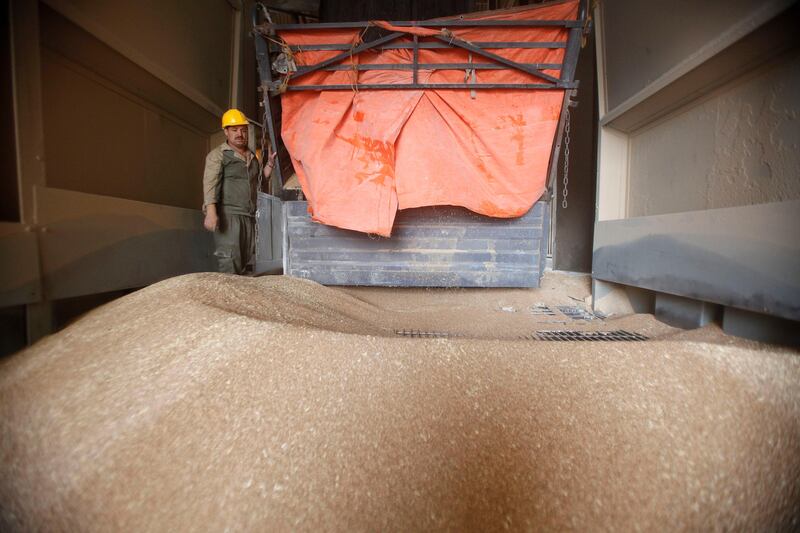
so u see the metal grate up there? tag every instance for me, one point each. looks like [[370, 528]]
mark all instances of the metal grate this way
[[576, 313], [417, 334], [541, 309], [618, 335]]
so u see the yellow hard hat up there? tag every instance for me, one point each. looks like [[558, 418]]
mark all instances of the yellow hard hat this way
[[233, 117]]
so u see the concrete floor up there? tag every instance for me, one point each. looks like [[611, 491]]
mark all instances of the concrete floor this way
[[211, 402]]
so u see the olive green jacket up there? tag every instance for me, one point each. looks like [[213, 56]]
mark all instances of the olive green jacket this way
[[231, 181]]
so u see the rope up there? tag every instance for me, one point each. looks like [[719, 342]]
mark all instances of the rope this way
[[354, 66], [290, 58], [447, 34]]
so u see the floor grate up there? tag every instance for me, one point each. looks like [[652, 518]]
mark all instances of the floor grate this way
[[417, 334], [541, 309], [576, 313], [618, 335]]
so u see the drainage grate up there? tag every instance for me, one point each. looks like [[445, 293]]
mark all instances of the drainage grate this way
[[417, 334], [618, 335], [576, 313], [541, 309]]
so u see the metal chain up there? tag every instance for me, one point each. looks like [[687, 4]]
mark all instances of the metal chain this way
[[264, 152], [565, 191], [264, 157]]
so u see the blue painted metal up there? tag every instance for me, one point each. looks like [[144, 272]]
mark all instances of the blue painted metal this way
[[439, 246]]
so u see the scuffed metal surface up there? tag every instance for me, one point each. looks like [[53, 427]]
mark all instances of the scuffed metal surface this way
[[430, 247], [269, 237], [745, 257]]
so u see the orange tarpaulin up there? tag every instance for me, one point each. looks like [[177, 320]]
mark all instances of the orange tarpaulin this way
[[362, 155]]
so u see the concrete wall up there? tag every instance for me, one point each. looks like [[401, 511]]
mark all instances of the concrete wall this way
[[709, 119], [738, 147], [698, 169]]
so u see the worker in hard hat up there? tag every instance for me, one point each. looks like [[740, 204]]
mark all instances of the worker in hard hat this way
[[230, 183]]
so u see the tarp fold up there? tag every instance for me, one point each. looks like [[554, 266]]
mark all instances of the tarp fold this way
[[360, 155]]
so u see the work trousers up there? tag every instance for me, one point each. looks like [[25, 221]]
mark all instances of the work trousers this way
[[234, 243]]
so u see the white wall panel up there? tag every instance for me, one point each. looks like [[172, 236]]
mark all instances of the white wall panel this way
[[740, 147]]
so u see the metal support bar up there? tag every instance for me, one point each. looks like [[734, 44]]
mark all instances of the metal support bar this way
[[302, 71], [262, 57], [426, 24], [565, 85], [571, 55], [573, 46], [257, 8], [519, 66], [265, 72], [431, 46], [437, 66], [416, 60]]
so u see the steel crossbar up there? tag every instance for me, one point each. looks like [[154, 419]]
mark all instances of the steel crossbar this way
[[427, 46], [452, 23]]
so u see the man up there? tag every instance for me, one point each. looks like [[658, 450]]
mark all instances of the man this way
[[230, 183]]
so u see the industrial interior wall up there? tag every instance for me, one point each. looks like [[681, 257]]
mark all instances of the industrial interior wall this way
[[187, 42], [644, 40], [730, 138], [698, 190], [112, 128], [113, 104], [738, 147]]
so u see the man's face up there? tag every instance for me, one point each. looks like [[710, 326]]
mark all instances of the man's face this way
[[237, 136]]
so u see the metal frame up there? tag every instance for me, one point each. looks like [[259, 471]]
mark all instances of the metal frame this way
[[446, 40], [447, 23], [265, 31], [432, 45], [265, 74]]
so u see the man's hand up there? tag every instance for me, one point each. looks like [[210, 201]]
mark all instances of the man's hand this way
[[270, 164], [211, 221]]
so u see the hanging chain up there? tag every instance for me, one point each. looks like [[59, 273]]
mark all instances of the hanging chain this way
[[565, 191], [264, 158]]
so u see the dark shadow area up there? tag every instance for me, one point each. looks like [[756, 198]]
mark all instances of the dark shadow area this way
[[13, 322], [358, 10], [9, 208], [12, 329], [574, 226], [68, 310]]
